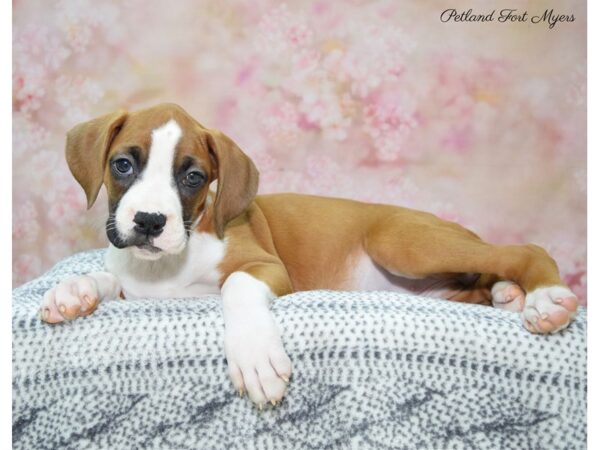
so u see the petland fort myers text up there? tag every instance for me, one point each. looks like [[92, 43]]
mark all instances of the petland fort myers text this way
[[548, 17]]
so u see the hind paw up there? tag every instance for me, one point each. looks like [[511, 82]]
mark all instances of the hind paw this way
[[508, 295], [549, 309]]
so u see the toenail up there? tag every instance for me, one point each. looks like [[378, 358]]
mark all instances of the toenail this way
[[273, 402], [62, 308], [558, 300], [545, 316], [45, 313], [284, 378]]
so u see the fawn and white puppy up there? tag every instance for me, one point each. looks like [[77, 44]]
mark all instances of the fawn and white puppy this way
[[170, 237]]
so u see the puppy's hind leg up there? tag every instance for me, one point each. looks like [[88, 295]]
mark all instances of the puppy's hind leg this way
[[420, 244], [410, 243]]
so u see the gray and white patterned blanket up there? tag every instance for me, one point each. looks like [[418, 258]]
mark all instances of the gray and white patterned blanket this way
[[371, 370]]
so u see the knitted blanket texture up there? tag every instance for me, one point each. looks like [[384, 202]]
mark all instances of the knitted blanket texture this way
[[372, 370]]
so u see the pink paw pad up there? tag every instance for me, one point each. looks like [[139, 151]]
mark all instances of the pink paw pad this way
[[549, 310], [508, 296]]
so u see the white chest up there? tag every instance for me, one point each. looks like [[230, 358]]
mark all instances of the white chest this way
[[191, 273]]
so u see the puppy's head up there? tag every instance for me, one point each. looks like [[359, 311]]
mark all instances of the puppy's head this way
[[157, 165]]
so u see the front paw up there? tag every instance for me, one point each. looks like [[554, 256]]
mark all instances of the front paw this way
[[258, 363], [71, 298]]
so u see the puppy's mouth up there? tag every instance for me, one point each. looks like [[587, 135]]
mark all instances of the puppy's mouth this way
[[146, 251], [147, 246], [143, 245]]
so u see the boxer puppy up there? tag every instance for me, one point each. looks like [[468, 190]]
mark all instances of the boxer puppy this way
[[172, 237]]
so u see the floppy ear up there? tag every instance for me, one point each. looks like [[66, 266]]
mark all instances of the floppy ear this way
[[87, 149], [237, 180]]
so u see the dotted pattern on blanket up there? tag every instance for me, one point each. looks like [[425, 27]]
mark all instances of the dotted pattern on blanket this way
[[371, 370]]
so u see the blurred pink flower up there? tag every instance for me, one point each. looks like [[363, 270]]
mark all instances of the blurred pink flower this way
[[76, 95], [281, 31], [25, 267], [29, 89], [322, 174], [458, 139], [26, 226], [29, 137], [576, 91], [280, 123], [389, 125]]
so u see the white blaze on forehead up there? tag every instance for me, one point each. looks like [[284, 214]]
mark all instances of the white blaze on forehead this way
[[162, 151], [156, 192]]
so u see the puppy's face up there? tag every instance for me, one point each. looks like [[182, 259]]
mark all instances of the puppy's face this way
[[157, 176], [157, 165]]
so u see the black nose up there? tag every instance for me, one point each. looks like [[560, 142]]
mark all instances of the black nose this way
[[150, 224]]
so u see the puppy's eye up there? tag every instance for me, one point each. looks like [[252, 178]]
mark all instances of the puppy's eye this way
[[193, 179], [123, 166]]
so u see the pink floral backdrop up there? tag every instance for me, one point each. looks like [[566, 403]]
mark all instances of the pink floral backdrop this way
[[379, 101]]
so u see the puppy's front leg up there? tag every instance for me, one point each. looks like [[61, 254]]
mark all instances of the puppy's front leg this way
[[255, 355], [78, 296]]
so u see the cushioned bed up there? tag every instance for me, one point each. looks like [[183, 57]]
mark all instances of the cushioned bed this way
[[371, 370]]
